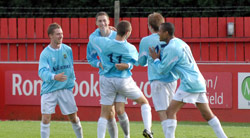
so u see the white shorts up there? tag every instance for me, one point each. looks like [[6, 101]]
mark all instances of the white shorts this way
[[64, 98], [110, 87], [119, 98], [162, 94], [188, 97]]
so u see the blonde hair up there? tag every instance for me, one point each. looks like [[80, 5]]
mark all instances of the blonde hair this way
[[155, 20]]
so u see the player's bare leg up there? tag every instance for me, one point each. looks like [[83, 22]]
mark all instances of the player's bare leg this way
[[123, 118], [112, 126], [146, 116], [45, 125], [213, 121], [76, 124], [103, 120], [163, 117], [171, 122]]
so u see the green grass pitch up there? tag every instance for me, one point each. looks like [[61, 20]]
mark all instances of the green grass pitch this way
[[63, 129]]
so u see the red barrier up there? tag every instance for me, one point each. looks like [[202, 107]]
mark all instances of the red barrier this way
[[20, 88], [207, 36]]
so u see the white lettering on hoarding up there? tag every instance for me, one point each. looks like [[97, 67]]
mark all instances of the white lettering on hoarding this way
[[93, 86], [81, 88], [30, 87], [84, 88], [212, 84], [215, 99], [36, 82], [17, 82], [75, 90], [89, 89], [145, 90], [16, 85]]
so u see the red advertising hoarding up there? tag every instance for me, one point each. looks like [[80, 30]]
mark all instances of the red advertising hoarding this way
[[22, 87]]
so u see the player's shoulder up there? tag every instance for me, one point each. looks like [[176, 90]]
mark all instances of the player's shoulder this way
[[175, 42], [66, 46], [172, 46], [46, 52], [180, 44], [176, 46], [151, 40], [46, 49], [154, 36], [130, 45]]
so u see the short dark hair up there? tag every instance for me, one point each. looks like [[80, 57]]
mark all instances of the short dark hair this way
[[101, 14], [52, 27], [155, 20], [168, 27], [123, 27]]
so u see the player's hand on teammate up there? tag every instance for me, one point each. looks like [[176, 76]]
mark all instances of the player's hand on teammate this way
[[153, 53], [122, 66], [100, 65], [60, 77], [112, 28]]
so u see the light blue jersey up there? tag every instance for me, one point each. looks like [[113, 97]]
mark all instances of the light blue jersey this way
[[112, 52], [92, 54], [54, 61], [144, 58], [177, 56]]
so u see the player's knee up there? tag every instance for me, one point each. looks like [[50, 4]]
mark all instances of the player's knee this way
[[162, 115], [73, 118], [46, 119], [142, 100], [112, 114], [170, 113], [207, 116], [120, 111]]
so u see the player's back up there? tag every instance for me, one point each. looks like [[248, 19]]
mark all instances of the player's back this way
[[118, 52]]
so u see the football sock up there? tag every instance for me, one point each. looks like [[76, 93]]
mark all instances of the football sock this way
[[45, 130], [77, 127], [215, 124], [146, 116], [101, 127], [112, 128], [124, 123], [164, 127], [171, 126]]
